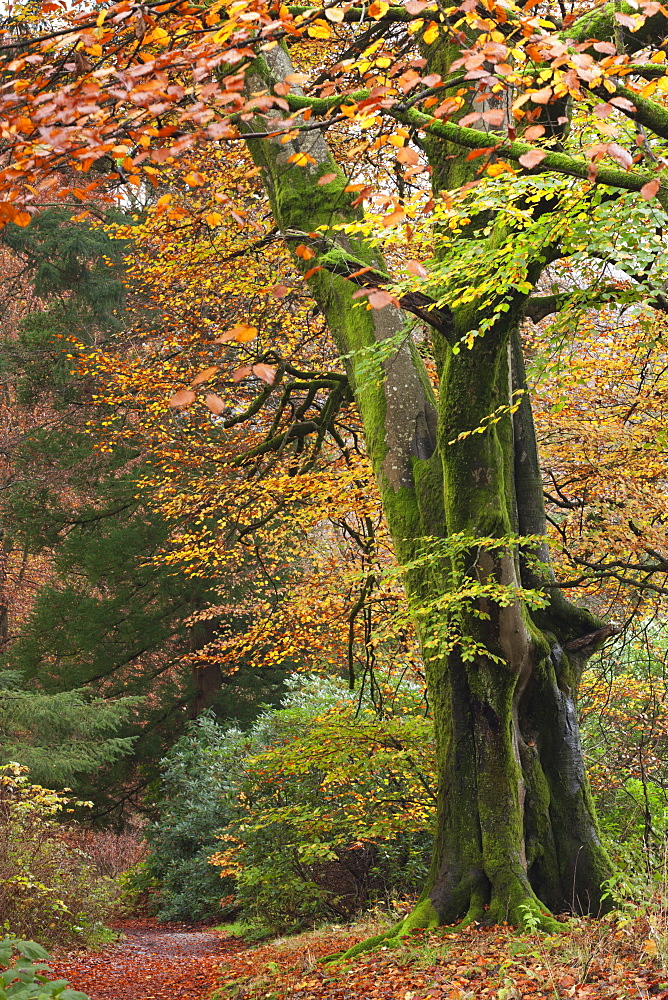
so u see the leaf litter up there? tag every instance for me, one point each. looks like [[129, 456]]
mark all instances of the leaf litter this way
[[610, 959]]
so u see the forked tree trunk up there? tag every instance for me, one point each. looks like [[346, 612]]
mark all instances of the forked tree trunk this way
[[516, 829]]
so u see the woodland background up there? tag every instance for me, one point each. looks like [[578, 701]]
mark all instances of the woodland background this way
[[212, 700]]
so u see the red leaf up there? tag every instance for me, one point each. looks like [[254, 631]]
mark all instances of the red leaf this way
[[239, 373], [279, 291], [532, 158], [327, 179], [603, 110]]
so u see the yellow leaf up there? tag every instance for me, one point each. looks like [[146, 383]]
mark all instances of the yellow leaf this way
[[193, 179], [335, 14], [213, 219], [431, 34], [319, 29], [378, 8]]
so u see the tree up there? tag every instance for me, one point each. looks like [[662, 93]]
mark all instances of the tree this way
[[458, 472], [103, 644]]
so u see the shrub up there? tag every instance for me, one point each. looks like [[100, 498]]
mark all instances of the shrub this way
[[197, 799], [25, 977], [315, 812], [338, 807], [48, 888]]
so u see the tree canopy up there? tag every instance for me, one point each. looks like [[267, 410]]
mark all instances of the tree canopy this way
[[372, 205]]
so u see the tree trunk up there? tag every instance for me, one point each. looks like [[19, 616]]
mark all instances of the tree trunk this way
[[516, 830]]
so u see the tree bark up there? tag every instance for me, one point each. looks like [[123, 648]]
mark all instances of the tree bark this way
[[516, 832]]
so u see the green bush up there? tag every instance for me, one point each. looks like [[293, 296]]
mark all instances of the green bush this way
[[25, 977], [198, 798], [315, 812], [49, 889]]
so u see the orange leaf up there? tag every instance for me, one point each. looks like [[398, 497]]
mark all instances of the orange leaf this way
[[416, 268], [204, 376], [312, 270], [181, 399], [541, 96], [407, 155], [326, 179], [241, 372], [378, 9], [649, 190], [393, 218], [303, 251], [215, 403], [300, 159], [279, 291], [241, 333], [194, 179]]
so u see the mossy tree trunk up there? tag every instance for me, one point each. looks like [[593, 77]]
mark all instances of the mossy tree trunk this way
[[516, 829]]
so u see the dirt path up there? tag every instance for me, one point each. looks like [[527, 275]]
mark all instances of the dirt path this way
[[151, 963]]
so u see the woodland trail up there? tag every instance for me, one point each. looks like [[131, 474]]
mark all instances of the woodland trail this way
[[151, 962]]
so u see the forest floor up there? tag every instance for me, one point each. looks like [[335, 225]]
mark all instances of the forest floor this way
[[591, 960]]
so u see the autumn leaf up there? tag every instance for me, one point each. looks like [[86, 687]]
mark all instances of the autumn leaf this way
[[431, 34], [181, 399], [541, 96], [204, 376], [240, 373], [304, 252], [241, 333], [416, 268], [394, 218], [532, 158], [335, 14], [215, 403], [300, 159], [319, 29], [280, 291], [378, 299], [649, 190], [326, 179], [406, 154], [264, 372]]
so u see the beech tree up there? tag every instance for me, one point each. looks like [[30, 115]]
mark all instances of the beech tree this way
[[457, 465]]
